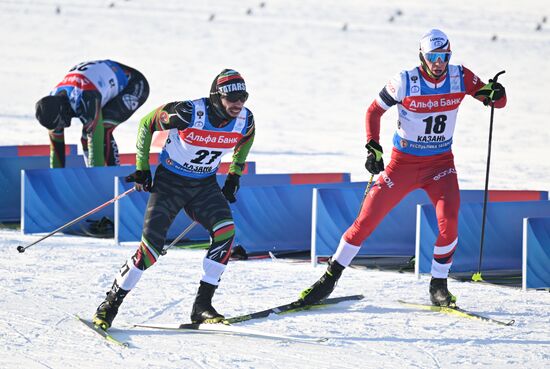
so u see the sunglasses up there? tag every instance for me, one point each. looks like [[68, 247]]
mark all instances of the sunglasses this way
[[433, 56], [241, 96]]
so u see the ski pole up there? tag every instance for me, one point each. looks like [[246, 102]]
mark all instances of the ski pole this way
[[367, 190], [185, 231], [477, 276], [22, 249], [369, 185]]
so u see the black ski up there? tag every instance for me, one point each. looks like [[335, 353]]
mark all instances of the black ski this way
[[220, 328], [101, 332], [291, 308], [455, 311]]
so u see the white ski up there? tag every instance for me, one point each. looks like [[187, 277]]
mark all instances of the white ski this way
[[229, 329], [101, 332]]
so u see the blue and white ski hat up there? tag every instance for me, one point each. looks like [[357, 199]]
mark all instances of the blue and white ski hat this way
[[434, 39]]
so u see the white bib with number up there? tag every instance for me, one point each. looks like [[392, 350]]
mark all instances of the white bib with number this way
[[427, 115], [197, 150]]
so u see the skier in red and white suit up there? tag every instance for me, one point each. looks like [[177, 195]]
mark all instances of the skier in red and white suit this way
[[427, 99]]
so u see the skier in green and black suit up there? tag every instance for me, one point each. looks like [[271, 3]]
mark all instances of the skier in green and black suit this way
[[200, 132], [102, 94]]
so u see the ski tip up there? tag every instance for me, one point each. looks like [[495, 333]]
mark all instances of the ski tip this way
[[122, 344], [103, 333]]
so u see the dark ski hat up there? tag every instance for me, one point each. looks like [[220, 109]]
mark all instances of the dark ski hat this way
[[229, 81], [53, 111]]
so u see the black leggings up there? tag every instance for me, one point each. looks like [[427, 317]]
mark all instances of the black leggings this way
[[121, 109], [201, 199]]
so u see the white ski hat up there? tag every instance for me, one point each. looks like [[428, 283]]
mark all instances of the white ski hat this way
[[434, 39]]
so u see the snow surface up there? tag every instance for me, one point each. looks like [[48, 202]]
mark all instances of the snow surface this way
[[310, 83]]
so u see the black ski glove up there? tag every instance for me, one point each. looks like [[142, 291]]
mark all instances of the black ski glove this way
[[491, 92], [142, 178], [231, 187], [375, 162]]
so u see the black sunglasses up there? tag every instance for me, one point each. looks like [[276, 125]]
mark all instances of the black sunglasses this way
[[236, 96]]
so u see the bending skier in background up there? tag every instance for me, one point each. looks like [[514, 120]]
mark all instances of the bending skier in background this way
[[427, 99], [200, 133], [103, 94]]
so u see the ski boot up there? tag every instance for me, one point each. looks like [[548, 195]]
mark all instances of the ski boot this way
[[108, 309], [103, 228], [439, 294], [203, 311], [321, 289]]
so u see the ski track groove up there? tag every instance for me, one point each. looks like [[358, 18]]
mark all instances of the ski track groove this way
[[218, 345], [428, 353], [37, 361], [42, 334], [14, 329]]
